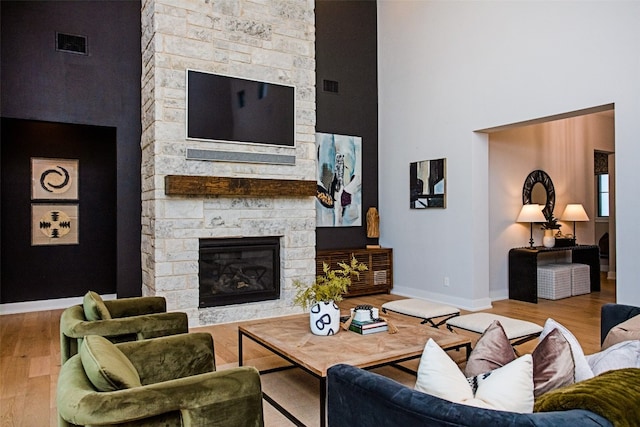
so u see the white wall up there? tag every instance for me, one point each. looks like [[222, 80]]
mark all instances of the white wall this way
[[564, 150], [447, 69]]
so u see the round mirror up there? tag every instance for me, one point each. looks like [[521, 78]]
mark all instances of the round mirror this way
[[538, 188]]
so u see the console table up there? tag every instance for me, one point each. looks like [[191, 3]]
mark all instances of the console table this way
[[523, 268]]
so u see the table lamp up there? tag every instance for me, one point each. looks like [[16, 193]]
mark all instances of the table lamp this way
[[531, 213], [574, 212]]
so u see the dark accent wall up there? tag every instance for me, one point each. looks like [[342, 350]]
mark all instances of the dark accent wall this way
[[101, 89], [346, 52], [40, 272]]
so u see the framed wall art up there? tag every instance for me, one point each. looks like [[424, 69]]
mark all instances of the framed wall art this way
[[339, 193], [54, 179], [427, 181], [54, 224]]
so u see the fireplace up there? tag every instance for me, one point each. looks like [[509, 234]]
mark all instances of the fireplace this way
[[239, 270]]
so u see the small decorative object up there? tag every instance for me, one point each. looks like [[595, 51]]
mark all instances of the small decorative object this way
[[323, 294], [365, 319], [427, 184], [373, 226], [373, 223], [548, 240], [551, 228]]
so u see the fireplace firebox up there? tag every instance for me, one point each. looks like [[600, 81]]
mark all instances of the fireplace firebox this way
[[239, 270]]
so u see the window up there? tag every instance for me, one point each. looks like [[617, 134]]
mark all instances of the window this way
[[603, 195]]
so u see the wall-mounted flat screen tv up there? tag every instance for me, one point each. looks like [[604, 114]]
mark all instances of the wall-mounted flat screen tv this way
[[224, 108]]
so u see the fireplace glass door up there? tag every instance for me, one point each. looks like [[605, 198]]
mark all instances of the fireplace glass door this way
[[239, 270]]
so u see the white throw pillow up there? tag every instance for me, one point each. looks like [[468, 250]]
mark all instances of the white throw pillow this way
[[622, 355], [509, 388], [583, 370]]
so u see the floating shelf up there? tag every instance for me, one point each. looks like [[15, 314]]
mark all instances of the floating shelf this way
[[186, 185]]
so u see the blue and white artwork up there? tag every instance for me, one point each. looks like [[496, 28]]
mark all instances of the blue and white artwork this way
[[339, 194]]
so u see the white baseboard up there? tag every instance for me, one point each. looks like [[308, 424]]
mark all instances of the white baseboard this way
[[44, 305]]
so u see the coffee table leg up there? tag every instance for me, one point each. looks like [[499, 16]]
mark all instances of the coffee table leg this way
[[323, 401], [239, 348]]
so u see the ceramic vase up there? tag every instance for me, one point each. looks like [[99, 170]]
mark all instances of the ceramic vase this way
[[324, 318], [548, 241]]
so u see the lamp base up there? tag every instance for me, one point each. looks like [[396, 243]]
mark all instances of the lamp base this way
[[531, 235]]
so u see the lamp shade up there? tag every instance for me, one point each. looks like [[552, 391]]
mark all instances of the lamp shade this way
[[574, 212], [531, 213]]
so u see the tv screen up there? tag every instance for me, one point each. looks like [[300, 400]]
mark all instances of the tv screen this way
[[231, 109]]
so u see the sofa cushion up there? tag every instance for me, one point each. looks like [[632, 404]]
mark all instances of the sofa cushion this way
[[492, 350], [613, 395], [106, 366], [624, 354], [582, 369], [94, 308], [553, 365], [625, 331], [509, 388]]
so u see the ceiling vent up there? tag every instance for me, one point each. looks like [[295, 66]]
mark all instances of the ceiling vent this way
[[331, 86], [70, 43]]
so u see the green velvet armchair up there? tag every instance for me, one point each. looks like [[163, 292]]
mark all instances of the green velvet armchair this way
[[120, 320], [167, 381]]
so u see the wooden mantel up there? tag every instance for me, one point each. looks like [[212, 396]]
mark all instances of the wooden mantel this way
[[185, 185]]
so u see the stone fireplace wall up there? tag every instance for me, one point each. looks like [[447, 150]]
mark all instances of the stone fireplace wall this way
[[270, 41]]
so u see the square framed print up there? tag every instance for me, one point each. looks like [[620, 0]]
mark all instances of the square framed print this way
[[339, 191], [427, 184], [54, 179], [54, 224]]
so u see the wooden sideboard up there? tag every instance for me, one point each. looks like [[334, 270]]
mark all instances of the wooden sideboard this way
[[523, 268], [377, 279]]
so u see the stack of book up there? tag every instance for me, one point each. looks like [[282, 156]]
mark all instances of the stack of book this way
[[368, 327]]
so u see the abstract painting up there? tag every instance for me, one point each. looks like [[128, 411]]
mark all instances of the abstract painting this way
[[339, 194], [427, 184]]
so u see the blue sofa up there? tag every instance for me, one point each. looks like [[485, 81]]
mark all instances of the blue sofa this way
[[357, 397]]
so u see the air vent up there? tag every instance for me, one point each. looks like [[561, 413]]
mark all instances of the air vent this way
[[70, 43], [330, 86]]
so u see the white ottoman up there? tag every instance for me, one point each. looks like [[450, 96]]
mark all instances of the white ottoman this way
[[422, 309], [580, 279], [554, 281], [516, 330]]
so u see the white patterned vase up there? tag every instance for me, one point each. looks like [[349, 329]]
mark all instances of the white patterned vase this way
[[548, 241], [324, 318]]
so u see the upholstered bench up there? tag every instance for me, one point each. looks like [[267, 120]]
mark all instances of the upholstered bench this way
[[518, 331], [580, 279], [554, 281], [422, 309]]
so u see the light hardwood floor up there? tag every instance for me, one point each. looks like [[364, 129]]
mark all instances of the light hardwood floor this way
[[30, 354]]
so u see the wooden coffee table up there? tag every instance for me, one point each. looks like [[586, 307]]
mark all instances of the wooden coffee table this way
[[291, 338]]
